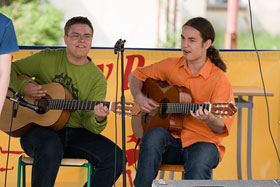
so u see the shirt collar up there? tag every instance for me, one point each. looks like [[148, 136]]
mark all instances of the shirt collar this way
[[204, 71]]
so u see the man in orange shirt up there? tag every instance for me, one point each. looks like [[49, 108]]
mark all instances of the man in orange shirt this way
[[199, 144]]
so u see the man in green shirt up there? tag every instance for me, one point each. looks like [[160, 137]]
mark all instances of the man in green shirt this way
[[80, 138]]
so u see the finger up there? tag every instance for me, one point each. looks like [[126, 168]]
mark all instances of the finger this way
[[206, 112], [200, 111], [105, 110], [197, 112], [146, 109], [193, 114], [153, 104]]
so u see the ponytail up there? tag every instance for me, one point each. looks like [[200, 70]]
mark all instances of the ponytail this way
[[214, 56]]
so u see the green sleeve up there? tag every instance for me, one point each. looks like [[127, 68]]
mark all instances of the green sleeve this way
[[97, 93], [27, 66]]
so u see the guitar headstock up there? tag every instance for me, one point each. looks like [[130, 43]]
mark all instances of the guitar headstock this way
[[223, 109], [131, 109]]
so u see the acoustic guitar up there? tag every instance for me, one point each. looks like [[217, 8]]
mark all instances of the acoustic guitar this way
[[58, 105], [168, 98]]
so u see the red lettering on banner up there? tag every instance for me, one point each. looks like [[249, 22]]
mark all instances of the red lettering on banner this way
[[128, 69], [110, 69], [4, 169], [110, 66], [101, 67], [11, 152]]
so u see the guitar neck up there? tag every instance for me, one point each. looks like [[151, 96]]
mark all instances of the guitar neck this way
[[59, 104], [183, 108]]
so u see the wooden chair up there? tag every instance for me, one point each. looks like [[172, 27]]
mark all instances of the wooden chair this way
[[70, 162], [171, 168]]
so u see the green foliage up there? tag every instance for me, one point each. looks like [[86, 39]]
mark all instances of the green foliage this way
[[244, 41], [35, 23], [172, 41]]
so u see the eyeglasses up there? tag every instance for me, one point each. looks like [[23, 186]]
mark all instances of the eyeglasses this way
[[81, 37]]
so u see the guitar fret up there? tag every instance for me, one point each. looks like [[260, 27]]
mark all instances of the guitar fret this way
[[76, 105], [196, 107], [90, 105], [63, 105], [71, 106], [56, 104], [68, 105], [181, 107]]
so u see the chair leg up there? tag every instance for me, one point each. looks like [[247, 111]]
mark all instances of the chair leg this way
[[23, 175], [89, 175], [171, 175], [19, 171], [161, 174]]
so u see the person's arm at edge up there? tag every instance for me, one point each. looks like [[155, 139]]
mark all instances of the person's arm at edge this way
[[5, 69]]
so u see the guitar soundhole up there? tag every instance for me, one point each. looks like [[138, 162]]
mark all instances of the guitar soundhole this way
[[163, 108], [43, 102]]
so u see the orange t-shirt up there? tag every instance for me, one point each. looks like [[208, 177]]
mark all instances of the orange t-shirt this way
[[210, 84]]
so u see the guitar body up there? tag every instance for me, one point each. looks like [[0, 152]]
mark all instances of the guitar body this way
[[26, 118], [160, 92], [169, 105]]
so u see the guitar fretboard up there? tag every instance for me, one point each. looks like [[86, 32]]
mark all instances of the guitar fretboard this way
[[183, 108], [59, 104]]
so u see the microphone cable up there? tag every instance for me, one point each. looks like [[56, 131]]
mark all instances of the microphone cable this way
[[260, 68], [8, 154], [116, 122]]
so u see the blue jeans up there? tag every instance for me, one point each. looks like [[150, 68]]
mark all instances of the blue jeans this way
[[159, 146], [48, 148]]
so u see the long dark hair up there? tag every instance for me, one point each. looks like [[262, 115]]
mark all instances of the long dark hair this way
[[207, 32]]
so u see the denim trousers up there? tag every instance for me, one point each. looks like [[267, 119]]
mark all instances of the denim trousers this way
[[48, 148], [159, 146]]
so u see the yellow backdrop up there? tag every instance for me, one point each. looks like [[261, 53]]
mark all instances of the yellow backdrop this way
[[243, 70]]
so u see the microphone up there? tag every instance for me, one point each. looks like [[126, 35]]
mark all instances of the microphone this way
[[19, 100], [36, 108], [119, 46]]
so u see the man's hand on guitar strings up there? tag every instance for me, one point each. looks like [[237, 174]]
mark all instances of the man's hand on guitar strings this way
[[35, 91], [146, 105]]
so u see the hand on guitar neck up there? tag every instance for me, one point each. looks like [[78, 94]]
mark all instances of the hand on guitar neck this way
[[101, 112]]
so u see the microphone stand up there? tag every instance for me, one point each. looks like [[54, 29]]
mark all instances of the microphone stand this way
[[119, 47]]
